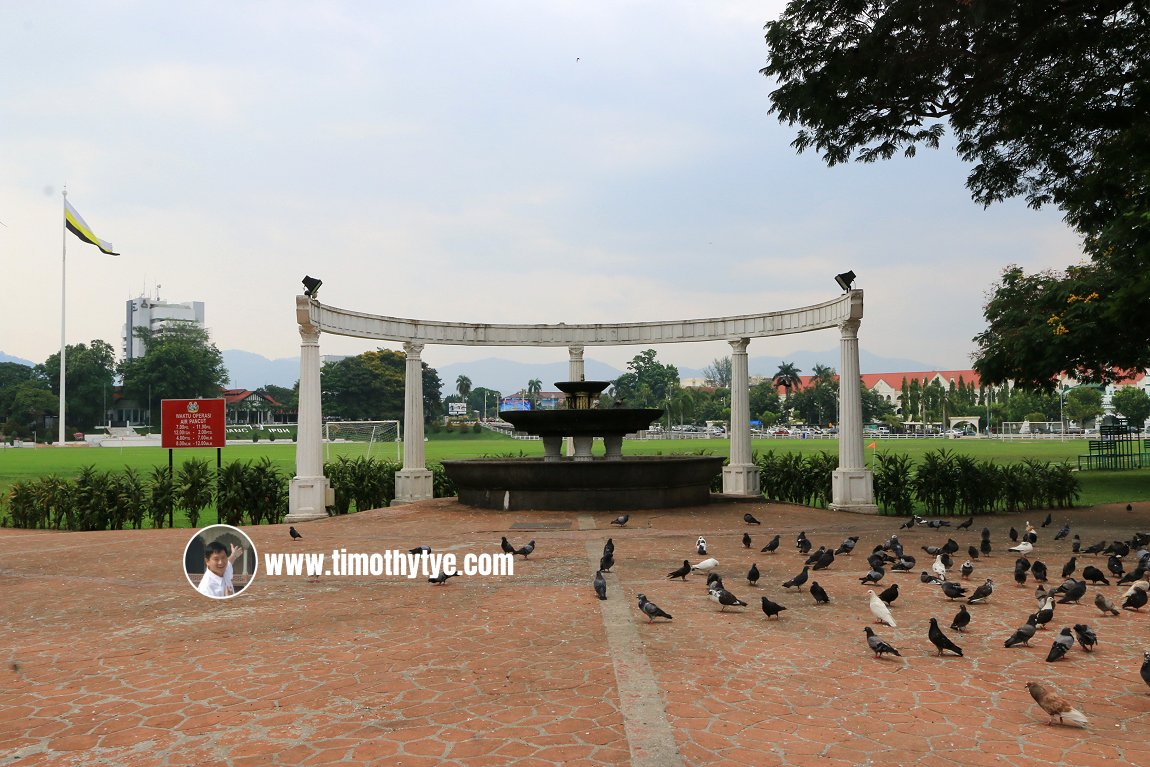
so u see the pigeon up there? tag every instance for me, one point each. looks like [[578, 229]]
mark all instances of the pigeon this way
[[1144, 672], [1046, 522], [982, 593], [961, 620], [1094, 575], [1074, 593], [1062, 532], [926, 577], [441, 578], [1105, 605], [701, 546], [714, 580], [606, 562], [621, 521], [771, 546], [825, 560], [941, 640], [753, 574], [746, 540], [905, 564], [1055, 705], [682, 572], [651, 610], [1045, 614], [600, 584], [1024, 633], [1137, 586], [609, 546], [1135, 601], [725, 598], [506, 546], [805, 546], [879, 610], [1040, 595], [950, 547], [909, 523], [847, 546], [939, 568], [874, 575], [420, 550], [1114, 565], [772, 609], [1095, 549], [889, 594], [881, 648], [800, 538], [1069, 568], [935, 524], [966, 524], [966, 569], [972, 552], [798, 581], [984, 547], [1023, 548], [1020, 569], [1062, 644], [819, 593], [1086, 636], [953, 590], [1013, 535], [525, 551], [750, 519], [705, 566], [295, 536], [1038, 571], [1076, 544]]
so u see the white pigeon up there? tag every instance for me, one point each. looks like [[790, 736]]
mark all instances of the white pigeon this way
[[939, 568], [879, 609], [1023, 548], [705, 565], [1137, 586]]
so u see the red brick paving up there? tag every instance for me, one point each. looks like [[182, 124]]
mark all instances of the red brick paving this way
[[112, 658]]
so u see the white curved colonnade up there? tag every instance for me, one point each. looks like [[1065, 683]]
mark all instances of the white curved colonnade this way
[[853, 484]]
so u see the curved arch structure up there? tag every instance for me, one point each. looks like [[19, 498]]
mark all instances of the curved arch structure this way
[[310, 491]]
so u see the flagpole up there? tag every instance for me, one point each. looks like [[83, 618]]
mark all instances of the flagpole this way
[[63, 284]]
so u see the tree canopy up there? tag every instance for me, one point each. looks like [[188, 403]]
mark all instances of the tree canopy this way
[[1046, 101], [89, 370], [180, 362], [648, 384], [370, 386]]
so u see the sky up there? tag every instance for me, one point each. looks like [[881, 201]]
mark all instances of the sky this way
[[490, 162]]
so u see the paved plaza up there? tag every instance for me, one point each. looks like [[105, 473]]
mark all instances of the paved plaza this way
[[111, 657]]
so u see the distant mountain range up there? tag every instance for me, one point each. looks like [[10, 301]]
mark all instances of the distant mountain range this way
[[248, 370]]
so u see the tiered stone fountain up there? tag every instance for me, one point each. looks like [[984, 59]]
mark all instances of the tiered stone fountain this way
[[584, 481]]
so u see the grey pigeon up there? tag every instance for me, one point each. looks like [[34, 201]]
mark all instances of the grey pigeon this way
[[295, 536], [1062, 644], [880, 648], [1075, 544], [725, 598], [1024, 633], [941, 640], [651, 610], [953, 590], [609, 546], [606, 562], [750, 519], [874, 575], [961, 620], [1073, 593], [1105, 605], [441, 578], [621, 521], [682, 572], [819, 593], [772, 609], [1086, 636], [600, 584], [525, 551], [982, 593], [847, 546], [1062, 532]]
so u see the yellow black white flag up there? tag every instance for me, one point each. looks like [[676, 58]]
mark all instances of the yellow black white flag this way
[[77, 226]]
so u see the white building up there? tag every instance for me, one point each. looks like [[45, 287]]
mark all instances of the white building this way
[[154, 314]]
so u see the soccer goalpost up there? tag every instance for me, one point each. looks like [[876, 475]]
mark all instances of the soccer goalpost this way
[[361, 438]]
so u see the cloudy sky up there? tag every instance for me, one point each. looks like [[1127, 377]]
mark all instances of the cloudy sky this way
[[491, 161]]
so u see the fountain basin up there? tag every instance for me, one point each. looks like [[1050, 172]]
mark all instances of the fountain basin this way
[[600, 484]]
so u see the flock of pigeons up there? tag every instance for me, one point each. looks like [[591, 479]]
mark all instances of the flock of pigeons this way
[[890, 556]]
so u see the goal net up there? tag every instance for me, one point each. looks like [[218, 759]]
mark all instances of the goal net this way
[[354, 439]]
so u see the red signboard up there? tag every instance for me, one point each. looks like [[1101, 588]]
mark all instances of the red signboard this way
[[192, 422]]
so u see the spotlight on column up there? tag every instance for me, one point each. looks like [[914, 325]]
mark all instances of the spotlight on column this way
[[311, 286], [844, 280]]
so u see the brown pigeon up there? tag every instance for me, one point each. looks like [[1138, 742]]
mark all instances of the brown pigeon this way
[[1055, 705]]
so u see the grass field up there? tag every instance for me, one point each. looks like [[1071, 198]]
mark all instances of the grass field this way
[[1098, 487]]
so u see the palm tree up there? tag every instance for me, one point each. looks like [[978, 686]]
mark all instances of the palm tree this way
[[787, 377], [534, 386], [463, 386]]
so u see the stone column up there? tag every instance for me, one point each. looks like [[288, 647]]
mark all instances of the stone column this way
[[309, 493], [575, 363], [413, 481], [852, 485], [741, 475]]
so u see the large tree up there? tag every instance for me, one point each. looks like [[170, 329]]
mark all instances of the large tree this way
[[1133, 404], [180, 362], [1046, 100], [718, 373], [89, 371], [370, 386], [787, 377], [648, 384]]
